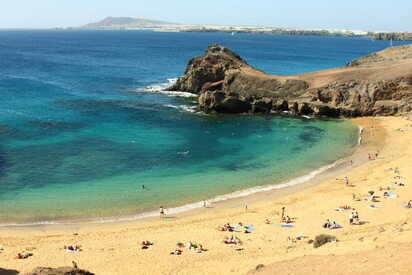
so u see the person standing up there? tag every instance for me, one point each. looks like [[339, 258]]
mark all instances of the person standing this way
[[356, 217], [351, 215], [283, 213], [346, 181], [162, 212]]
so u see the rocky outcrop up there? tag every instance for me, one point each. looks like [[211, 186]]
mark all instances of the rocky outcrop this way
[[209, 69], [66, 270], [396, 36], [378, 84]]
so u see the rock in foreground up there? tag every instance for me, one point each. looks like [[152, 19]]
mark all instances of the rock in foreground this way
[[66, 270], [378, 84]]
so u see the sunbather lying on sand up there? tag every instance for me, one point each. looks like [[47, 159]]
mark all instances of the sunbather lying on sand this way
[[407, 204], [367, 198], [232, 240], [288, 219], [343, 208], [291, 240], [23, 256], [147, 243], [176, 252], [72, 248], [225, 227], [398, 183]]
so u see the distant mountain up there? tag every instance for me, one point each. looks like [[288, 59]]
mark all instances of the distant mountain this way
[[125, 23]]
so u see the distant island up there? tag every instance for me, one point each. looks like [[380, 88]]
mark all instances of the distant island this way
[[128, 23]]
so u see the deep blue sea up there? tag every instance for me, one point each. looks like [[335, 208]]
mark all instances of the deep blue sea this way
[[84, 123]]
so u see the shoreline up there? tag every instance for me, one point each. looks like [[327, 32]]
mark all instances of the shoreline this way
[[267, 245], [223, 201]]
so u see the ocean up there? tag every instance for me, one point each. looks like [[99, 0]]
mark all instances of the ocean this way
[[84, 123]]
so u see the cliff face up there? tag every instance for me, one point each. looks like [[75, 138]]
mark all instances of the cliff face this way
[[378, 84], [399, 36]]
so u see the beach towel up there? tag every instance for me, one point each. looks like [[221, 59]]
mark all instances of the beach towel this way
[[374, 207], [341, 209], [180, 245], [337, 226], [248, 228], [287, 224], [406, 206]]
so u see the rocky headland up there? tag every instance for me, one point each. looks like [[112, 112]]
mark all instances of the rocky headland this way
[[377, 84]]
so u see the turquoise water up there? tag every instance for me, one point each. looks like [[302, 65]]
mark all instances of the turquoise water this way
[[83, 123]]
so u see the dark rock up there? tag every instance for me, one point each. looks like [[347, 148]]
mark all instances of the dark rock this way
[[59, 271], [8, 271], [210, 68], [259, 267], [323, 239]]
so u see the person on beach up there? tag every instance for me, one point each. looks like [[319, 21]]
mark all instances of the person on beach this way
[[143, 187], [369, 157], [346, 181], [204, 203], [376, 154], [326, 224], [245, 207], [351, 215], [283, 213], [287, 219], [351, 163], [356, 218], [74, 264], [162, 212]]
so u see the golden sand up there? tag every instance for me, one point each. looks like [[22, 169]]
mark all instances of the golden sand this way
[[115, 248]]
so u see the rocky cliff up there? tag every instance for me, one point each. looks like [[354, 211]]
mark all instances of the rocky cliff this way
[[378, 84], [396, 36]]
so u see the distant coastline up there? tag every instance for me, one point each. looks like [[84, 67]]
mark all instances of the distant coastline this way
[[128, 23]]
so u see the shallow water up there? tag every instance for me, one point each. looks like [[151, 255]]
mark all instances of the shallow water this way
[[83, 125]]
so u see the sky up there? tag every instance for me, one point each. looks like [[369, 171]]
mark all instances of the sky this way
[[392, 15]]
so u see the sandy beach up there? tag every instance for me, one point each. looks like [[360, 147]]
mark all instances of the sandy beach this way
[[381, 244]]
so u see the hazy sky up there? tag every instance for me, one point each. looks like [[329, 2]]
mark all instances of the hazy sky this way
[[350, 14]]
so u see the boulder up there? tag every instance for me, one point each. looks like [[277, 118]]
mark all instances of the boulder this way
[[66, 270]]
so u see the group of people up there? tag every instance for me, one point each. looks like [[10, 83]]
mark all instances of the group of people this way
[[232, 240], [191, 246], [331, 225]]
